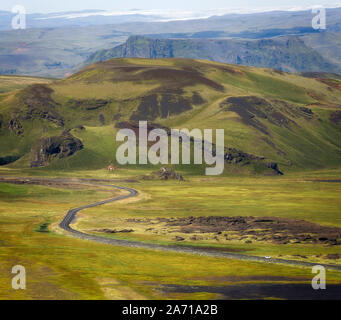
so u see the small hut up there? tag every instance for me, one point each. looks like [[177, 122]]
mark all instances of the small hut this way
[[111, 168]]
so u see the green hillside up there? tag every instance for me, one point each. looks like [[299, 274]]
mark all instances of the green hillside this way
[[10, 83], [288, 119]]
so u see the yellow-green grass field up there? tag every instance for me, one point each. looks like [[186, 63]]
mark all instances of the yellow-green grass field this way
[[61, 267], [9, 83]]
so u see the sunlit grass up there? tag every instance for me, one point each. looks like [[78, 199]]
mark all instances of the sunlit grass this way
[[59, 266]]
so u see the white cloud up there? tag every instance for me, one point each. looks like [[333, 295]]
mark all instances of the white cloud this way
[[173, 15]]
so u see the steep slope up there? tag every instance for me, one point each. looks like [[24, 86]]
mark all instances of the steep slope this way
[[327, 44], [282, 53], [285, 118]]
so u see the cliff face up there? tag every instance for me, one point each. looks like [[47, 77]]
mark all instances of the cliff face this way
[[287, 53], [45, 149]]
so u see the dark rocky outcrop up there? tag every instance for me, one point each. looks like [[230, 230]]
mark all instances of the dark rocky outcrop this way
[[177, 238], [115, 231], [151, 108], [101, 119], [333, 256], [274, 229], [59, 147], [307, 111], [8, 160], [15, 126], [164, 105], [252, 109], [237, 157], [335, 117], [164, 174], [89, 104], [80, 127], [37, 103], [169, 174], [274, 167], [134, 125]]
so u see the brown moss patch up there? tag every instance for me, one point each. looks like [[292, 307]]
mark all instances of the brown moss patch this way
[[36, 103], [335, 117], [266, 229]]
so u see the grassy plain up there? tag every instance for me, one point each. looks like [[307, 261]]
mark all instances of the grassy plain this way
[[60, 267]]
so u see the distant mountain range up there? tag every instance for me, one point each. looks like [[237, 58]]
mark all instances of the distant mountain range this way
[[158, 21], [75, 19], [55, 45], [286, 53]]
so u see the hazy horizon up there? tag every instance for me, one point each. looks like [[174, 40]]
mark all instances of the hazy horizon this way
[[174, 9]]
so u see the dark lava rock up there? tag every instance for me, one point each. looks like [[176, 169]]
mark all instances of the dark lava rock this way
[[102, 119], [335, 117], [115, 231], [274, 166], [8, 160], [80, 127], [333, 256], [197, 99], [37, 103], [306, 110], [252, 108], [15, 126], [89, 105], [46, 149], [168, 174], [151, 107], [234, 156], [134, 126], [107, 231], [274, 229], [126, 231], [179, 238], [237, 156]]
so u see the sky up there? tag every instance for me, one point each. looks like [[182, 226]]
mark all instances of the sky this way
[[45, 6]]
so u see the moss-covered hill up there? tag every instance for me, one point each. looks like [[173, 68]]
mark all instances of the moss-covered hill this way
[[288, 119]]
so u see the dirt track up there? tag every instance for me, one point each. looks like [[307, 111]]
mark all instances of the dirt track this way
[[71, 215]]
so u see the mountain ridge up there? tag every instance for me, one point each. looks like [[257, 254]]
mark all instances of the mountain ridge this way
[[288, 54]]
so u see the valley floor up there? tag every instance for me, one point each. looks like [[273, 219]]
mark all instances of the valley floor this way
[[198, 212]]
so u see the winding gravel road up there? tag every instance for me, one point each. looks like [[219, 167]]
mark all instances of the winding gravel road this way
[[72, 214]]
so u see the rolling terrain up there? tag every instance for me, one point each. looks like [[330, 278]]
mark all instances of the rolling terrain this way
[[58, 136], [287, 119], [10, 83], [269, 79]]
